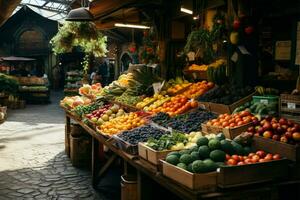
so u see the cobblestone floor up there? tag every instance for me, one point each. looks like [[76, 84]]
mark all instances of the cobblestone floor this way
[[33, 164]]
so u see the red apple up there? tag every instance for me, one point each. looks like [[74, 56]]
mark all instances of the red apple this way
[[288, 135], [251, 129], [283, 121], [256, 134], [274, 126], [267, 126], [236, 24], [260, 130], [284, 127], [261, 153], [276, 157], [279, 130], [274, 120], [297, 127], [276, 137], [290, 123], [283, 139], [267, 134], [296, 136]]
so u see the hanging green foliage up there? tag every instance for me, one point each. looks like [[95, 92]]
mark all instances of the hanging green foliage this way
[[82, 34], [8, 84]]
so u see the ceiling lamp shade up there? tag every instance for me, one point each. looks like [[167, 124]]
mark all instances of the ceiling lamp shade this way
[[79, 14]]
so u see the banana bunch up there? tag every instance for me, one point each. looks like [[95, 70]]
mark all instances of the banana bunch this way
[[124, 79], [262, 91]]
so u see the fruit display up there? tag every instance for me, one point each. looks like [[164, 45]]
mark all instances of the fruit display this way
[[158, 101], [258, 156], [185, 123], [122, 123], [216, 72], [225, 94], [128, 99], [177, 105], [176, 89], [82, 110], [142, 134], [174, 141], [173, 82], [105, 113], [72, 102], [282, 130], [91, 91], [198, 89], [232, 120], [195, 67]]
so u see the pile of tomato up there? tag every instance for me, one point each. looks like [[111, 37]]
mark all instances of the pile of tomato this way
[[233, 120]]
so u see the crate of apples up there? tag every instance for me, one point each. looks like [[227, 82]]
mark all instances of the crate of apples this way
[[177, 105], [198, 89], [122, 123], [282, 130], [105, 113]]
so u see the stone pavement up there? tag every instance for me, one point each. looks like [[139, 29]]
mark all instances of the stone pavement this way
[[33, 164]]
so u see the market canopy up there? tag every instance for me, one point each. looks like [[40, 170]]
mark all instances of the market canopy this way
[[14, 58]]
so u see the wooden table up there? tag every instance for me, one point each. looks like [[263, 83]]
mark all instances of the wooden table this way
[[147, 172]]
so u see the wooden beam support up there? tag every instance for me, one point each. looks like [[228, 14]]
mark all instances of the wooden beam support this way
[[7, 8]]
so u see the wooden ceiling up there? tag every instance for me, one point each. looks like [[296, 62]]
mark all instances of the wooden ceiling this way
[[7, 8]]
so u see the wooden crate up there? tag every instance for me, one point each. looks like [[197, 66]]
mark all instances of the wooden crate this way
[[291, 152], [152, 155], [229, 133], [204, 105], [290, 107], [125, 146], [204, 182], [222, 108], [196, 74], [241, 175]]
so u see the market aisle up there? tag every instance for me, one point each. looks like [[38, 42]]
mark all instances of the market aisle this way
[[32, 160]]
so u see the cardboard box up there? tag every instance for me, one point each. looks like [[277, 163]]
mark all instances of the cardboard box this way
[[204, 182], [152, 155], [289, 151], [240, 175]]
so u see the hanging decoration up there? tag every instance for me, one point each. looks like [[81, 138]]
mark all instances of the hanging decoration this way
[[148, 52], [83, 35]]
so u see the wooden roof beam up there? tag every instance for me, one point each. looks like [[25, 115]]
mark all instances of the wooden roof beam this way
[[7, 8]]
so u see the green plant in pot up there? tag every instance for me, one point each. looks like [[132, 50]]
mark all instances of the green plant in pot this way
[[80, 34]]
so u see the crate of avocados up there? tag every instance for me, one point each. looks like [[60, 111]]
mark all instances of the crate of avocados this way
[[204, 182], [241, 175], [289, 151], [222, 108], [290, 107], [152, 155], [229, 133]]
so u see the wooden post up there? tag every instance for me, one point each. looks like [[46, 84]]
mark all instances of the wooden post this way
[[95, 161]]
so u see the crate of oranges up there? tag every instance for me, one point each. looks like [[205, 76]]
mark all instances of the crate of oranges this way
[[177, 105], [125, 122], [198, 89]]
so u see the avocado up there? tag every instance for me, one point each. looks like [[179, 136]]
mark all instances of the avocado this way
[[203, 152], [202, 141], [211, 165], [214, 144], [174, 153], [182, 166], [186, 159], [227, 147], [195, 155], [172, 159], [217, 155], [199, 166]]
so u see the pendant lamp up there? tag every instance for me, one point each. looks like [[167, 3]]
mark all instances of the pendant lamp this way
[[79, 14]]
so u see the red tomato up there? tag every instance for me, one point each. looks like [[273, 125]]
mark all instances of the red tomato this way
[[245, 157], [241, 158], [227, 118], [224, 124], [276, 157], [268, 157], [235, 157], [261, 154], [231, 162], [251, 154], [261, 160], [240, 123], [214, 120], [232, 125], [240, 163], [221, 116], [255, 158], [237, 120], [245, 113], [248, 161], [227, 157]]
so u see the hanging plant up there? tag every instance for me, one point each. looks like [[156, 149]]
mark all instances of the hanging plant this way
[[148, 52], [80, 34]]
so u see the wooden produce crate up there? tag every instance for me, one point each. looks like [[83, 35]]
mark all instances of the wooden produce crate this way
[[204, 182], [241, 175], [222, 108], [152, 155], [125, 146], [289, 151], [290, 107], [196, 74], [229, 133], [204, 105]]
